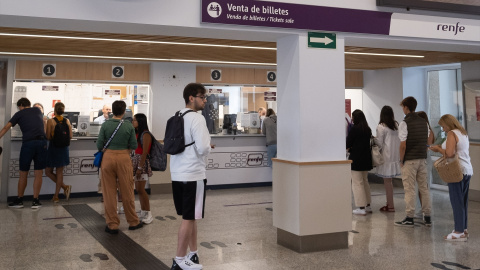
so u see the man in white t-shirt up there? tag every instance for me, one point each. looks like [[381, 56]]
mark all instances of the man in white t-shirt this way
[[105, 110], [189, 176], [413, 132]]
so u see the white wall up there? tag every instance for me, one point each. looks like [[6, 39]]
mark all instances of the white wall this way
[[382, 87], [167, 92], [415, 85]]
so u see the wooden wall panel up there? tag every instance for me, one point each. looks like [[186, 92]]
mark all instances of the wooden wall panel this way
[[81, 71], [243, 75], [353, 79], [261, 77]]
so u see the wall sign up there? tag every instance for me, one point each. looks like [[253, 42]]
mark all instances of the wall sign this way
[[117, 72], [322, 40], [296, 16], [49, 70], [270, 94], [319, 18], [270, 98], [271, 76], [216, 75]]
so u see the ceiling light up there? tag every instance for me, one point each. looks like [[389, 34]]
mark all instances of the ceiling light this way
[[387, 54], [140, 41], [139, 58]]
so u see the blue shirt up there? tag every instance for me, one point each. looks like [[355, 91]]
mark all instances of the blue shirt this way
[[31, 124]]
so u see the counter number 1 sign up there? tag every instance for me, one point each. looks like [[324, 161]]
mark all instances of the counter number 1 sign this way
[[49, 70], [117, 72]]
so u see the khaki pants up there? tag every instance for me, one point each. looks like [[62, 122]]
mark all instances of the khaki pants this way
[[415, 171], [116, 164], [361, 188]]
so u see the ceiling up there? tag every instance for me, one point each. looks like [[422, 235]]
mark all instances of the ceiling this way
[[112, 48]]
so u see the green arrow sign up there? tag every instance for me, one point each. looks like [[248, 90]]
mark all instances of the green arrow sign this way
[[322, 40]]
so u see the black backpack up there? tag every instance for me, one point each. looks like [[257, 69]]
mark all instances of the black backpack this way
[[61, 133], [157, 156], [174, 142]]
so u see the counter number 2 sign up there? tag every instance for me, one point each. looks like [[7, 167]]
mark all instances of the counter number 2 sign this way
[[117, 72], [216, 75], [271, 76], [49, 70]]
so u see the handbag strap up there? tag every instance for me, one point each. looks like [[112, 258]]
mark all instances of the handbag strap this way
[[111, 137]]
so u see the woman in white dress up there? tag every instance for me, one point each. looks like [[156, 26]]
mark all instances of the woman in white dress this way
[[387, 139]]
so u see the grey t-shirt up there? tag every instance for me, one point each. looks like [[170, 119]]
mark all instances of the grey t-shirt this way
[[31, 124]]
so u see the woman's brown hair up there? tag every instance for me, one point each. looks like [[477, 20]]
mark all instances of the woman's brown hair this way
[[59, 108]]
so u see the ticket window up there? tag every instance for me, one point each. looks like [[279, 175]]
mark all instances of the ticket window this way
[[83, 102]]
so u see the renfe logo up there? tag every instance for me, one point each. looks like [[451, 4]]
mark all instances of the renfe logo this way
[[214, 10], [451, 28]]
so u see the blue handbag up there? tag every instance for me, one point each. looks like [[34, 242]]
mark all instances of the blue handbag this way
[[99, 155]]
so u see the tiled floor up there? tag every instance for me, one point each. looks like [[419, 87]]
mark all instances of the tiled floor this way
[[237, 234]]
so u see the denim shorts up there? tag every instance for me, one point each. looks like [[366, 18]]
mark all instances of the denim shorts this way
[[35, 150]]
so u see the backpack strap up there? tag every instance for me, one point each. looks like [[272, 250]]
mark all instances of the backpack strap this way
[[182, 115]]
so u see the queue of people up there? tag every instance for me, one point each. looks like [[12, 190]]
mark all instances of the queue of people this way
[[404, 148]]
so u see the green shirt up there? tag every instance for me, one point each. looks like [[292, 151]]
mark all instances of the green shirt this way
[[124, 138]]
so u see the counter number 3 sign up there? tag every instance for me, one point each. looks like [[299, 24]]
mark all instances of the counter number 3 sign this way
[[216, 74], [49, 70], [117, 72], [271, 76]]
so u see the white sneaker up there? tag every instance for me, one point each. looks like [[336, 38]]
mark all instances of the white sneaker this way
[[186, 264], [141, 215], [360, 212], [368, 209], [121, 210], [147, 218]]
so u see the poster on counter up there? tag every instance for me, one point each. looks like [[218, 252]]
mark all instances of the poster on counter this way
[[83, 125], [142, 93], [348, 107]]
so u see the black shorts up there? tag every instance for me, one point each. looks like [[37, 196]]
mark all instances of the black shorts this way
[[189, 198]]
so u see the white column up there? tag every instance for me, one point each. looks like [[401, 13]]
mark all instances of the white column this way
[[311, 178]]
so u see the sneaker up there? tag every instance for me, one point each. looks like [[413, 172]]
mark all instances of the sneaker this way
[[194, 258], [138, 226], [147, 218], [407, 222], [67, 192], [359, 212], [368, 209], [427, 221], [36, 203], [121, 210], [142, 215], [55, 199], [185, 264], [17, 203]]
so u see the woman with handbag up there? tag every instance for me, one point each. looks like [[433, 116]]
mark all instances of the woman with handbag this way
[[117, 140], [358, 144], [141, 165], [456, 146], [387, 139]]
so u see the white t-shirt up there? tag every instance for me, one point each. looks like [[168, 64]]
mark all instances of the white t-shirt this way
[[190, 165]]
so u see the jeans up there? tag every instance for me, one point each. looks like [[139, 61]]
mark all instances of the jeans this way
[[271, 153], [459, 199]]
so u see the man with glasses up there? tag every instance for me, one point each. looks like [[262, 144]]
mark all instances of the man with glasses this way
[[189, 178], [34, 147]]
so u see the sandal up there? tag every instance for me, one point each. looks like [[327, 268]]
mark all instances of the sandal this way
[[455, 237], [387, 209]]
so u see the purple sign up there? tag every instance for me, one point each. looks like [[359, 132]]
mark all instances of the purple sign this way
[[283, 15]]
